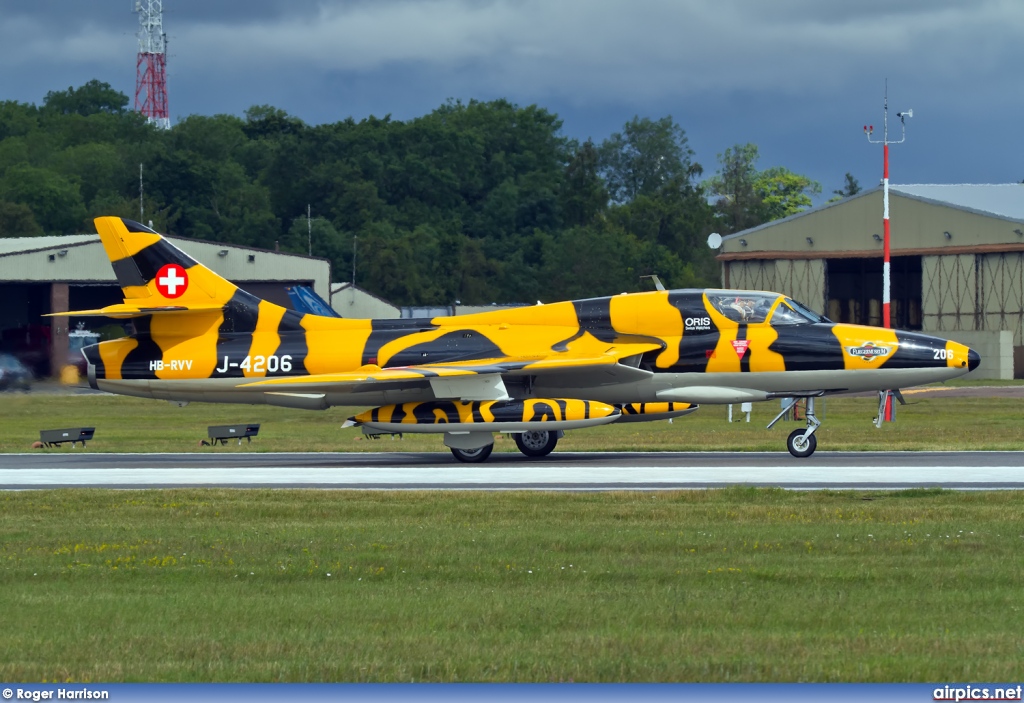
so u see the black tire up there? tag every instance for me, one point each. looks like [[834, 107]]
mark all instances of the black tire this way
[[798, 447], [472, 456], [536, 442]]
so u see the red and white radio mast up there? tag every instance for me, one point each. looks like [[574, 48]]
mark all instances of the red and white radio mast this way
[[151, 66]]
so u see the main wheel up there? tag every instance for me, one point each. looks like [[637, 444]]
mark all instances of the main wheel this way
[[536, 442], [800, 447], [472, 456]]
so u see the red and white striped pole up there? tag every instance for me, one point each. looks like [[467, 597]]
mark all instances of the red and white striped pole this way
[[886, 262], [886, 320]]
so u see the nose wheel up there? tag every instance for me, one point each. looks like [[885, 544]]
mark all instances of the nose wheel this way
[[801, 443]]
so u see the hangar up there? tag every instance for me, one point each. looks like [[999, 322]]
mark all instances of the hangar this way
[[40, 275], [349, 300], [957, 264]]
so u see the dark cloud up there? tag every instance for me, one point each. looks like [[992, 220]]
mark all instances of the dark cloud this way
[[798, 77]]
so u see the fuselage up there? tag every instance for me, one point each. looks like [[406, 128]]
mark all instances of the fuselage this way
[[711, 346]]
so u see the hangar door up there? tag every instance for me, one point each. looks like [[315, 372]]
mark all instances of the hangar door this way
[[977, 292], [855, 291]]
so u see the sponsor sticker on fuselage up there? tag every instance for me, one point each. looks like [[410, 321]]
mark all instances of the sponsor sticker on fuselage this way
[[697, 324], [869, 351]]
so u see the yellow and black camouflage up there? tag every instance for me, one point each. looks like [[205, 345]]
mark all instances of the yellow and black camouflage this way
[[197, 336]]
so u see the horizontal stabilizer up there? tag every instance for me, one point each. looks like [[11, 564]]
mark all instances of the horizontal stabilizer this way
[[124, 311]]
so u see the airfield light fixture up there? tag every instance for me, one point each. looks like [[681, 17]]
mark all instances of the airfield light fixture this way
[[947, 235], [743, 242], [810, 242], [876, 237]]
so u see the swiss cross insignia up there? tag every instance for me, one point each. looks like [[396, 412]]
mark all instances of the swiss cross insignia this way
[[172, 281]]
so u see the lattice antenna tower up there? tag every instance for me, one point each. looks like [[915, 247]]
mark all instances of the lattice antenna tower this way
[[151, 65]]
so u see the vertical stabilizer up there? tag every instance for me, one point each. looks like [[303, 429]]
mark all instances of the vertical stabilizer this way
[[151, 271]]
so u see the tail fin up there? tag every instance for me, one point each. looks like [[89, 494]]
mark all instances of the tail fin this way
[[153, 272], [158, 277]]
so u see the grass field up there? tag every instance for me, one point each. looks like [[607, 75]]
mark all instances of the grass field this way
[[134, 425], [728, 585]]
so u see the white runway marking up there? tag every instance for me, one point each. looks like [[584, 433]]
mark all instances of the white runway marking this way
[[581, 473]]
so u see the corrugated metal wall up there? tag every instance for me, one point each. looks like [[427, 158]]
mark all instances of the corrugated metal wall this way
[[801, 279], [974, 292], [949, 292], [1002, 289]]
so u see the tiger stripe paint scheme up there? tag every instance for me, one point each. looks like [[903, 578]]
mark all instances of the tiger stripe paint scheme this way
[[198, 337], [649, 412], [497, 416]]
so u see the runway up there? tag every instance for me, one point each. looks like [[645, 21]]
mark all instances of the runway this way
[[581, 471]]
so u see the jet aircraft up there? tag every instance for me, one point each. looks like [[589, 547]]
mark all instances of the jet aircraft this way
[[533, 371]]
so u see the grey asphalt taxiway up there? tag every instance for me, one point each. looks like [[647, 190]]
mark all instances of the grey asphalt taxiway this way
[[511, 471]]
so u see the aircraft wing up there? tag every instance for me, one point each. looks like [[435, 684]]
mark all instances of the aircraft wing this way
[[605, 368]]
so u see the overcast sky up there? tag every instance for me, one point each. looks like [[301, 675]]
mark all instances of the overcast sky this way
[[799, 78]]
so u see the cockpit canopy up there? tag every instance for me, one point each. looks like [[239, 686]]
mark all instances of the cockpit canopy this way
[[751, 307]]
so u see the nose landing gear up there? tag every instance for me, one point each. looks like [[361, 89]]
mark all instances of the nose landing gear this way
[[801, 443]]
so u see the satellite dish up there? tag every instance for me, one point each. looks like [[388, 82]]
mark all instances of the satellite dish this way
[[714, 240]]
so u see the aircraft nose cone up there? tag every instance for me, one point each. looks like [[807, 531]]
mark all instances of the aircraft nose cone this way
[[973, 360]]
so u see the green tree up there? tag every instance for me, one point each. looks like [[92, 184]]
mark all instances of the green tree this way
[[582, 195], [738, 204], [319, 236], [747, 197], [264, 121], [55, 202], [17, 220], [644, 156], [96, 167], [17, 119], [850, 188], [92, 98], [783, 193]]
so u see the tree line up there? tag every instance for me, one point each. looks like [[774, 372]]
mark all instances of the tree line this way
[[477, 202]]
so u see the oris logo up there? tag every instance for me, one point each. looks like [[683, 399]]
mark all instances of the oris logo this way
[[697, 324]]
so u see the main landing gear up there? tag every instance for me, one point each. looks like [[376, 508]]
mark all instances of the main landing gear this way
[[801, 443], [533, 443], [536, 442], [472, 456]]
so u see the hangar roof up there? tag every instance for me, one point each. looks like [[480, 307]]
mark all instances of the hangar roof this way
[[80, 258], [928, 219], [9, 245], [1002, 199], [1005, 200]]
